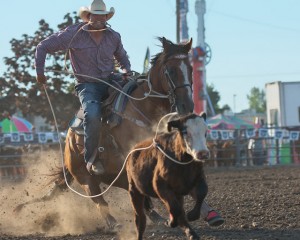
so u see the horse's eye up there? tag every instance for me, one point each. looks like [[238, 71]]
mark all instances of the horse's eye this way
[[171, 71]]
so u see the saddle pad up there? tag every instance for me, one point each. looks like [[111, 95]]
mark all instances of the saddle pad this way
[[121, 100]]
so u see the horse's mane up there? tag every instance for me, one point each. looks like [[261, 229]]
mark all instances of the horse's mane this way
[[166, 53]]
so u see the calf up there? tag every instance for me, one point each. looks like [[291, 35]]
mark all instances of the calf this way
[[168, 168]]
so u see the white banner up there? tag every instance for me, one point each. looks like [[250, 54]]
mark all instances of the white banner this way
[[214, 134], [42, 138], [15, 137], [250, 133], [28, 137], [224, 135], [263, 133], [55, 137], [294, 135], [278, 134]]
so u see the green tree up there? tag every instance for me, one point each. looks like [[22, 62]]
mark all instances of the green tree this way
[[215, 99], [257, 100], [18, 87]]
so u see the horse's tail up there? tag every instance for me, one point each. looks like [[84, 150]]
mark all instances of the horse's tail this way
[[60, 177]]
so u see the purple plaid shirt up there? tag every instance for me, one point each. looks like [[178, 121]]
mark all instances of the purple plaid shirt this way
[[86, 56]]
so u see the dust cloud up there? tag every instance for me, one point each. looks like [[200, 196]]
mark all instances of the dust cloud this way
[[68, 213]]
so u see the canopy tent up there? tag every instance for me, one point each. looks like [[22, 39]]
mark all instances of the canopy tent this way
[[221, 121], [15, 124]]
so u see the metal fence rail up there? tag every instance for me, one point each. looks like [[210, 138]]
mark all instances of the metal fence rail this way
[[273, 146], [238, 149], [235, 150]]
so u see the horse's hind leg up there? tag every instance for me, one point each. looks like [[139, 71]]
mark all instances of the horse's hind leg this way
[[198, 193], [137, 200], [92, 188]]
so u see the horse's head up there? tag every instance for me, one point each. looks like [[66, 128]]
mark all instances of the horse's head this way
[[175, 73]]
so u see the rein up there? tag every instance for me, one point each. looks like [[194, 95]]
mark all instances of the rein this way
[[171, 93], [124, 164], [171, 96]]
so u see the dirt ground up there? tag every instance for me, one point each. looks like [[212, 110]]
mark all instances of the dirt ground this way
[[257, 203]]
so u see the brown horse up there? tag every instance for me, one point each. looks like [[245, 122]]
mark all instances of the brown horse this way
[[169, 84]]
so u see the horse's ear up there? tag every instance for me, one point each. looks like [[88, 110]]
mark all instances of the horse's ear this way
[[188, 45], [203, 115], [165, 43], [173, 124]]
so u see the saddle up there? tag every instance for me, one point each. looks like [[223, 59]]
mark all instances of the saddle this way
[[112, 107]]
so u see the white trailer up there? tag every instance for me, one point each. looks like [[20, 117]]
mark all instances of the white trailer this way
[[283, 103]]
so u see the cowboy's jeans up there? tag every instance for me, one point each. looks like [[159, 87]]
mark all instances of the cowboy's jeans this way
[[90, 96]]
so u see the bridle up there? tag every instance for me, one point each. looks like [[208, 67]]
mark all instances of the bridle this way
[[172, 85], [171, 96]]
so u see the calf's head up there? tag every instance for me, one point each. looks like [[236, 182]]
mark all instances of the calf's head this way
[[193, 130]]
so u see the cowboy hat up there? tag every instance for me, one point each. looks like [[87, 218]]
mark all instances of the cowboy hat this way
[[97, 7]]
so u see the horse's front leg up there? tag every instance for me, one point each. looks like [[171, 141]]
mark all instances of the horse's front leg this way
[[91, 187], [198, 193]]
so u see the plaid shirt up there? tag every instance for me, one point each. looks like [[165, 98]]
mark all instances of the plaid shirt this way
[[86, 56]]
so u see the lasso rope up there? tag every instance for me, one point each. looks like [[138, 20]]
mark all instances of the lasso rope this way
[[146, 95], [123, 166], [84, 28]]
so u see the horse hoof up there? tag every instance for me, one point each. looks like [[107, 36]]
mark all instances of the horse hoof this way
[[112, 223], [193, 216], [193, 236], [156, 218], [171, 224]]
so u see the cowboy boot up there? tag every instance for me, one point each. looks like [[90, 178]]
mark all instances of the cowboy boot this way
[[94, 166]]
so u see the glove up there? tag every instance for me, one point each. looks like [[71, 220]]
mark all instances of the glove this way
[[40, 78]]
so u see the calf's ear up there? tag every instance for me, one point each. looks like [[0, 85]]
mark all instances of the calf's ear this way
[[173, 124]]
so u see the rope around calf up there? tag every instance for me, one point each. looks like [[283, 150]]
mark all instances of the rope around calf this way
[[146, 95]]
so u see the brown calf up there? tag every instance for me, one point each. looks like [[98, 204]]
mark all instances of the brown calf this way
[[168, 168]]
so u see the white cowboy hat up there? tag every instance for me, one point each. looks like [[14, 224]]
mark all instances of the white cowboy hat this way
[[97, 7]]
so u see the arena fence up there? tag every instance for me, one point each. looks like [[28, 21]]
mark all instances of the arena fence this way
[[238, 147], [246, 147]]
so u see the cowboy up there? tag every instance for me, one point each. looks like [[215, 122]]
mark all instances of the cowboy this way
[[93, 45]]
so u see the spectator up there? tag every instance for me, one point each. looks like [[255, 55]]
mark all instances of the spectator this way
[[257, 150]]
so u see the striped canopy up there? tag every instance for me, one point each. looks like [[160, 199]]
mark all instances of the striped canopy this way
[[15, 124]]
